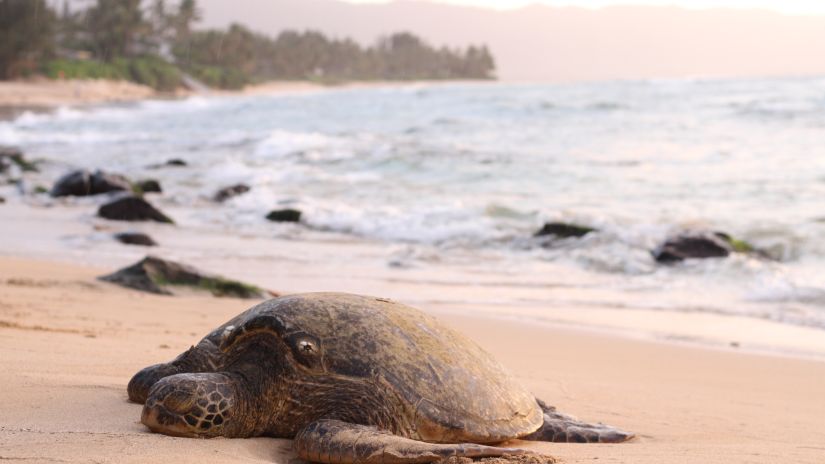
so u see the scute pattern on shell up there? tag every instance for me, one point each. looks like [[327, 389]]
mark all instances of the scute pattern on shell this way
[[452, 390]]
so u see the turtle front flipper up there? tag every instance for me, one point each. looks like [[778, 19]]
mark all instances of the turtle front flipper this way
[[337, 442], [561, 428], [205, 357]]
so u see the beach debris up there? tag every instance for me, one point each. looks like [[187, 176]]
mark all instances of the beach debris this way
[[699, 245], [147, 186], [14, 156], [563, 230], [135, 238], [82, 183], [159, 276], [231, 191], [132, 208], [284, 215]]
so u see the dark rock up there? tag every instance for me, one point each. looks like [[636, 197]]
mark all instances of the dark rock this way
[[229, 192], [156, 275], [13, 155], [131, 208], [564, 230], [75, 183], [173, 163], [284, 215], [699, 245], [135, 238], [705, 245], [82, 183], [5, 159], [2, 200], [148, 186]]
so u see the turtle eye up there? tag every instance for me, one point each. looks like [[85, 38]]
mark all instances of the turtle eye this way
[[307, 347]]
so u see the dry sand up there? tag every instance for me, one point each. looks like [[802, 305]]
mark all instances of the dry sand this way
[[69, 344], [44, 94], [47, 93]]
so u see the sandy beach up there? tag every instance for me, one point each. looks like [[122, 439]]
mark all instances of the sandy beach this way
[[720, 361], [637, 236], [69, 344], [44, 94]]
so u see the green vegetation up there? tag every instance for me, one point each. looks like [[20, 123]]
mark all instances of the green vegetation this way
[[137, 189], [24, 164], [126, 39], [217, 286], [224, 287], [149, 70], [219, 77], [238, 56], [741, 246], [27, 29]]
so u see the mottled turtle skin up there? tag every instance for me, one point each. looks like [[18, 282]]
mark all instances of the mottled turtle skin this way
[[352, 379]]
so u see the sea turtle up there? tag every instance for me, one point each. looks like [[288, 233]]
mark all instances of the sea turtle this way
[[353, 379]]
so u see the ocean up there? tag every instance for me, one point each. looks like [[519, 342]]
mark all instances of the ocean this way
[[435, 191]]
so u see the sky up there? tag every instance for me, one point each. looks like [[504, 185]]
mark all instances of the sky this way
[[570, 44], [794, 7]]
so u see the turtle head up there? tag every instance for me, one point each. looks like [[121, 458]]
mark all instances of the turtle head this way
[[200, 358], [259, 357], [196, 405]]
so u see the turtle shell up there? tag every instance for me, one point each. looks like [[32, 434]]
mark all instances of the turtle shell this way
[[455, 391]]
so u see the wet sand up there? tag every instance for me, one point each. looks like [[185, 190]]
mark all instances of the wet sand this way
[[69, 344]]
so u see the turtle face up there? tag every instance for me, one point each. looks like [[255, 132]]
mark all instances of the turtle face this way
[[142, 382], [192, 405]]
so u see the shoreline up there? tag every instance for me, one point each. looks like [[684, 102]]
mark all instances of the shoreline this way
[[65, 232], [790, 342], [70, 344], [47, 94], [44, 95]]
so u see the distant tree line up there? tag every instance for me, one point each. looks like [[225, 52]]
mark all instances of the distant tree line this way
[[150, 42]]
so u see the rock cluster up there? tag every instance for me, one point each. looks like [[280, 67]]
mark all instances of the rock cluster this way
[[156, 275]]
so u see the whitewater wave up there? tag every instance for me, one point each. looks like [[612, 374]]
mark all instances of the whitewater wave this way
[[457, 173]]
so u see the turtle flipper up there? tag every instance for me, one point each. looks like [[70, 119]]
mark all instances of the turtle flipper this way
[[337, 442], [204, 357], [561, 428]]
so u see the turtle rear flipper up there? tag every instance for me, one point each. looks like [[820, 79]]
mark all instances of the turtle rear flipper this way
[[562, 428], [337, 442]]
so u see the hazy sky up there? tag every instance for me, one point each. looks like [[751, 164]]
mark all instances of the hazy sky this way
[[570, 44], [785, 6]]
